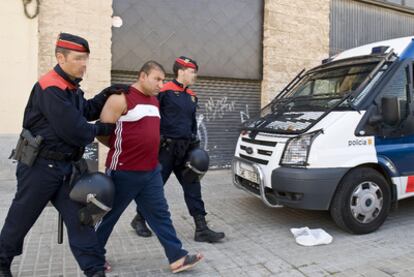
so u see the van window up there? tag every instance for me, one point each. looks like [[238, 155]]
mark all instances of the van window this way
[[323, 89], [336, 82], [397, 87]]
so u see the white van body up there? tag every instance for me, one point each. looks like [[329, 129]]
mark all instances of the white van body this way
[[339, 137]]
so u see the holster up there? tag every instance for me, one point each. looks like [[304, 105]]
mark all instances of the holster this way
[[79, 168], [27, 148]]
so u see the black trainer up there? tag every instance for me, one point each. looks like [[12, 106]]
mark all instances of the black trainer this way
[[140, 226], [99, 274], [205, 234]]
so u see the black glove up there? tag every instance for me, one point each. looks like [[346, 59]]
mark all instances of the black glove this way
[[104, 129], [115, 89]]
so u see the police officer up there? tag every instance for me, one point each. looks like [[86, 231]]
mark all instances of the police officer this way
[[178, 106], [56, 115]]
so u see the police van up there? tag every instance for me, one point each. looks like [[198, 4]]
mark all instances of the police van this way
[[339, 137]]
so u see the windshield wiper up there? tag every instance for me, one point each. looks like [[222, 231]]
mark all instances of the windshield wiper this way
[[349, 101]]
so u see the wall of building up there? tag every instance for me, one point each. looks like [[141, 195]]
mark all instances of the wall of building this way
[[296, 36], [18, 59], [27, 52], [355, 23], [91, 19], [18, 71]]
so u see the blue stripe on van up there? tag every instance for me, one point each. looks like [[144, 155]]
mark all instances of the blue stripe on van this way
[[408, 51], [400, 151]]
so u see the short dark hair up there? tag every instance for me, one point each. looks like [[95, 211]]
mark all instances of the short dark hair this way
[[149, 66], [61, 50]]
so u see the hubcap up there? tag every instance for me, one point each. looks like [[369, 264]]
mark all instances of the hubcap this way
[[366, 202]]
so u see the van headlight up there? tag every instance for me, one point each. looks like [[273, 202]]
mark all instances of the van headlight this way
[[297, 149]]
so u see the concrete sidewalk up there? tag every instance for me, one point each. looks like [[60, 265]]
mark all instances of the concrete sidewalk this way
[[258, 241]]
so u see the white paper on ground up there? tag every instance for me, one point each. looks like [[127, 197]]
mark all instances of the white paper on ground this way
[[310, 237]]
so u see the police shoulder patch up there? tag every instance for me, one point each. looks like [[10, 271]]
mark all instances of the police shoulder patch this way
[[192, 93], [52, 79]]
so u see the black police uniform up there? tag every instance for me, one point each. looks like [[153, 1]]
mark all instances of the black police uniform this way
[[57, 111], [178, 106]]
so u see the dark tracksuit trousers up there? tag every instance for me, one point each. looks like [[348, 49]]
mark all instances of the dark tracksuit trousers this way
[[47, 181], [146, 187], [192, 191]]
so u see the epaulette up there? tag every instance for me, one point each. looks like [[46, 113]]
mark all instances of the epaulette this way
[[52, 79], [192, 93]]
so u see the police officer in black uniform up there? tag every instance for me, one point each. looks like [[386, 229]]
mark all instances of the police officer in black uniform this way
[[178, 106], [55, 132]]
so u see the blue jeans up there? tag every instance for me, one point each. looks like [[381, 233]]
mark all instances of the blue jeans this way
[[192, 191], [146, 187]]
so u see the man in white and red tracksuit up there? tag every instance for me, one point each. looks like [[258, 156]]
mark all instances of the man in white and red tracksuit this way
[[178, 105], [132, 163]]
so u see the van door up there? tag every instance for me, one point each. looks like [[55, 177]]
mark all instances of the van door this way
[[396, 143]]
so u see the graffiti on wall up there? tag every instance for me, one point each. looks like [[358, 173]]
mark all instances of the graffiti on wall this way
[[217, 108], [202, 132], [244, 114], [214, 110]]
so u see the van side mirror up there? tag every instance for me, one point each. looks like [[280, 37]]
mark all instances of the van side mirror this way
[[390, 110]]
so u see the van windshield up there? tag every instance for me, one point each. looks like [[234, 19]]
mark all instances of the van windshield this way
[[324, 89], [336, 87]]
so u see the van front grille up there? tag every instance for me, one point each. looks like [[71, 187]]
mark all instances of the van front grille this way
[[252, 159]]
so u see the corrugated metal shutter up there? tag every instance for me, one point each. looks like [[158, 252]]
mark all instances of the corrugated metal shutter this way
[[223, 105], [354, 23]]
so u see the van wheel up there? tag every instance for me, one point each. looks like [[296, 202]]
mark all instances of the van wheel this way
[[362, 201]]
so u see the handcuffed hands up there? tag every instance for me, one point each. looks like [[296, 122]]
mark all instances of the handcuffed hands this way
[[104, 129]]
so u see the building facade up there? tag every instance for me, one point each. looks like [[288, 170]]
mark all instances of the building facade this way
[[247, 50]]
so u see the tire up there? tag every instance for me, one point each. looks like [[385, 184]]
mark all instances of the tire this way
[[362, 201]]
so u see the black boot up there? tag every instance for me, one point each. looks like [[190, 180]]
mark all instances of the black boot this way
[[139, 225], [99, 274], [203, 233], [5, 267]]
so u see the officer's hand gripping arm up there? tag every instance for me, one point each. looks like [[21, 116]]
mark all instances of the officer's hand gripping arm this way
[[93, 107]]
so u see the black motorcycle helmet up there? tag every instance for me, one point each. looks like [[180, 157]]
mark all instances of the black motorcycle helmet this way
[[96, 191], [196, 165]]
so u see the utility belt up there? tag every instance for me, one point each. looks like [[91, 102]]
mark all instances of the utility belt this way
[[59, 156], [28, 149], [178, 147]]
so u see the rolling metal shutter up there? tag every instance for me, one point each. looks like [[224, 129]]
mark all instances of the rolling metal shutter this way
[[223, 105], [355, 23]]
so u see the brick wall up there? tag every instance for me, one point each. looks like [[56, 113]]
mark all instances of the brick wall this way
[[296, 36], [90, 19]]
